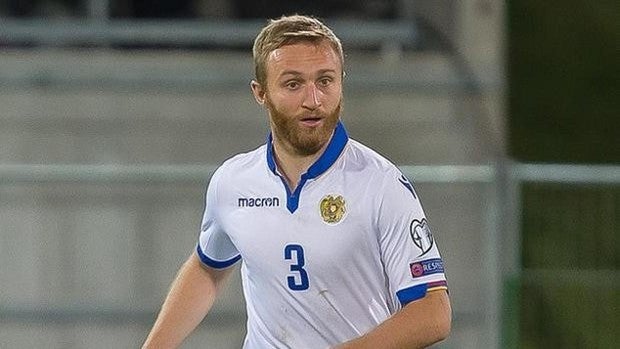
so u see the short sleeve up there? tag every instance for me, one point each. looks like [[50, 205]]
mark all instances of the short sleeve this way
[[214, 246], [409, 252]]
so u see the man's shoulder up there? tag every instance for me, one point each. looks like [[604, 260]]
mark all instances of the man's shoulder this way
[[368, 158]]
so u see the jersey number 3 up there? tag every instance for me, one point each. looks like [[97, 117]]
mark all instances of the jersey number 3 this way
[[299, 281]]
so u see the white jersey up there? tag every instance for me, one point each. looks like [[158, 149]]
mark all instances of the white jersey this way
[[329, 261]]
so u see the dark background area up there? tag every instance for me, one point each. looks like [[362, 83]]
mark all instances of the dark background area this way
[[564, 81], [200, 8], [564, 107]]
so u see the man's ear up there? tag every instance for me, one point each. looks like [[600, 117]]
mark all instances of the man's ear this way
[[258, 91]]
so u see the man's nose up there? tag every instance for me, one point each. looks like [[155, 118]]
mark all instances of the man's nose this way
[[312, 98]]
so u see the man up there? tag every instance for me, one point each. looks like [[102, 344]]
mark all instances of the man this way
[[336, 251]]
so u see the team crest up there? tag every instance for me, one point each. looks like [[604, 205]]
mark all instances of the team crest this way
[[332, 209]]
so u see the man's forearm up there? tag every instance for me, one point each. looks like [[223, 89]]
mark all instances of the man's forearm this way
[[191, 296], [419, 324]]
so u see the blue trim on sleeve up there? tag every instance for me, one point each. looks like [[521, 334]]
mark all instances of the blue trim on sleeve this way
[[213, 263], [411, 294], [330, 155]]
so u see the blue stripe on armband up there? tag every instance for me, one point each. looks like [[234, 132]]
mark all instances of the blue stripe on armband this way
[[411, 294]]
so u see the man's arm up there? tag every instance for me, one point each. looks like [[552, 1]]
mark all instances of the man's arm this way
[[190, 297], [418, 324]]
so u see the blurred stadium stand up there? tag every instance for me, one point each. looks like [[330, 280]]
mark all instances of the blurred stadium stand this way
[[115, 113]]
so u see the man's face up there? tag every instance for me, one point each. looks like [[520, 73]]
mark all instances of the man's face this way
[[303, 95]]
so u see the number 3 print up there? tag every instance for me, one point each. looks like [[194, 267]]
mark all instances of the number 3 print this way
[[300, 282]]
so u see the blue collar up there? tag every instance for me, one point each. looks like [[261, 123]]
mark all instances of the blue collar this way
[[323, 163]]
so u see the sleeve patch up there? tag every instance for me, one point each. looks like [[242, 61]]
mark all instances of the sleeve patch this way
[[426, 267], [421, 235]]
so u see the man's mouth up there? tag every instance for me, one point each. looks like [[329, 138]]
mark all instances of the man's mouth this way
[[311, 120]]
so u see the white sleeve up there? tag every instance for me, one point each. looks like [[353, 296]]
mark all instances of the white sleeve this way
[[410, 255], [214, 246]]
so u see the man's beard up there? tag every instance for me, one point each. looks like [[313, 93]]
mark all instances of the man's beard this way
[[302, 141]]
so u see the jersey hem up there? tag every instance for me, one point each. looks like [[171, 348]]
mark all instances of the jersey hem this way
[[416, 292], [213, 263]]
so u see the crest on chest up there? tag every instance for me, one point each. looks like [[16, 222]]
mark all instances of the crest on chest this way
[[332, 208]]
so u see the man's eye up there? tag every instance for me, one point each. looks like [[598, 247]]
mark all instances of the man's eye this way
[[292, 84], [325, 81]]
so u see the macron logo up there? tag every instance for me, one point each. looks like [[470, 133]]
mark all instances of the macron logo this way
[[258, 202]]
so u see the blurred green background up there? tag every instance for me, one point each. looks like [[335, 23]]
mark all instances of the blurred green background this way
[[564, 76], [564, 106]]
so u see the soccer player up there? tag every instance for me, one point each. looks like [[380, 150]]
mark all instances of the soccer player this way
[[334, 246]]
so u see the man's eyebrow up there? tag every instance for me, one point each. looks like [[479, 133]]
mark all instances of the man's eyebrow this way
[[323, 71], [290, 72], [298, 73]]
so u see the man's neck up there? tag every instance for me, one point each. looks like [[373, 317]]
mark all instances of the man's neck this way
[[292, 165]]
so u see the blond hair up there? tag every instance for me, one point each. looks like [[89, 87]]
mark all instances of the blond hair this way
[[288, 30]]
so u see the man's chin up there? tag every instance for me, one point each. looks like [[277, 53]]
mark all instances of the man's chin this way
[[313, 139], [308, 148]]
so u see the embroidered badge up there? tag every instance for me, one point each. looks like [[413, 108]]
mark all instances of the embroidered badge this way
[[421, 234], [332, 209]]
